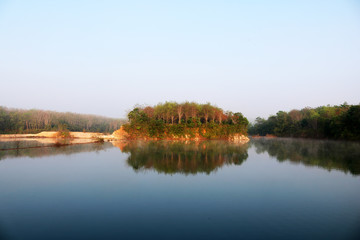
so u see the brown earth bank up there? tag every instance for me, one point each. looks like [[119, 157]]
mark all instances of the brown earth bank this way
[[121, 134]]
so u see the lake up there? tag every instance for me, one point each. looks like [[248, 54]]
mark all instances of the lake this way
[[265, 189]]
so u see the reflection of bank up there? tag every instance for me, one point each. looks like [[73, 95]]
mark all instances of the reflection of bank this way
[[120, 144], [182, 157], [42, 148], [29, 142], [330, 155]]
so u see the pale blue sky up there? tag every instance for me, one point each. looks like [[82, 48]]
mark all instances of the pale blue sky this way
[[103, 57]]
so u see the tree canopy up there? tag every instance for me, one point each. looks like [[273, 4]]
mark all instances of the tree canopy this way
[[179, 119], [333, 122]]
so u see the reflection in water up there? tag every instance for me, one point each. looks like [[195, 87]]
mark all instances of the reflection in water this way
[[16, 143], [203, 157], [186, 158], [6, 144], [42, 150], [344, 156]]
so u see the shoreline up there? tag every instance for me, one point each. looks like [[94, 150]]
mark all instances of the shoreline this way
[[121, 134], [52, 138]]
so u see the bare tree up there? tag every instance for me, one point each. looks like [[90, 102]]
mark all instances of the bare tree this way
[[180, 112]]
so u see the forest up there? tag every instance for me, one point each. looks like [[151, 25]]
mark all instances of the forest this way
[[35, 121], [180, 119], [330, 122]]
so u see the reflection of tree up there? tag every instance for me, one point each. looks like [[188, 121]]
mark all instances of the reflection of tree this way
[[186, 158], [43, 150], [344, 156]]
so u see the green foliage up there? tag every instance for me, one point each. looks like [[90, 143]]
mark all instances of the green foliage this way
[[177, 130], [63, 131], [333, 122], [34, 121], [156, 128], [137, 115], [185, 119]]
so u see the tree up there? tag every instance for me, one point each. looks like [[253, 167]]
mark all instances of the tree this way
[[206, 111], [187, 110], [219, 115], [149, 111], [179, 112]]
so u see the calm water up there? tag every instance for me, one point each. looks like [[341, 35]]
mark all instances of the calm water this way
[[266, 189]]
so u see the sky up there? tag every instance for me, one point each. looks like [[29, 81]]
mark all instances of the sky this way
[[253, 57]]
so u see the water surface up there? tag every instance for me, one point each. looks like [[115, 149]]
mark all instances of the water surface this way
[[268, 188]]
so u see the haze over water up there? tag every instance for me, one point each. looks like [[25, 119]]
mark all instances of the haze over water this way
[[280, 189]]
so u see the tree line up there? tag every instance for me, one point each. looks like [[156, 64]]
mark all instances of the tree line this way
[[332, 122], [181, 118], [34, 121]]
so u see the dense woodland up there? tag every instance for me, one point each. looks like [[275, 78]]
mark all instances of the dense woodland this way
[[34, 121], [332, 122], [180, 119]]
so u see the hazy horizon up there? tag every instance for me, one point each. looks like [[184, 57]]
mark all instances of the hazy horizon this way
[[144, 105], [103, 58]]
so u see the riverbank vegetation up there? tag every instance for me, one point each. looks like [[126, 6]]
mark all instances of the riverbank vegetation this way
[[35, 121], [331, 122], [184, 120]]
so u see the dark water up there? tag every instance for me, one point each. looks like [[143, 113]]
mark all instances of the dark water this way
[[266, 189]]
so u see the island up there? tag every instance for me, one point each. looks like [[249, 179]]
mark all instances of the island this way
[[184, 121]]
